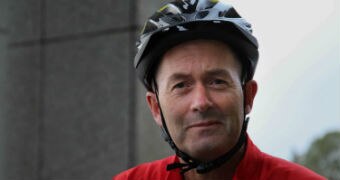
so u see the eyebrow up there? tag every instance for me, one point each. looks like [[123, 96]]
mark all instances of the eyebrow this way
[[219, 72], [177, 76]]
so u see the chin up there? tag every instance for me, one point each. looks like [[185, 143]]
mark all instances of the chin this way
[[206, 149]]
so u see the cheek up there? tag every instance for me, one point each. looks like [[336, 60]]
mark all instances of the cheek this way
[[174, 116], [230, 103], [232, 108]]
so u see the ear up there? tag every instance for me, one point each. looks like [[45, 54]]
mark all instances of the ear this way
[[154, 108], [250, 90]]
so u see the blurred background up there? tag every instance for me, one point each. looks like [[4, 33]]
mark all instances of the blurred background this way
[[71, 106]]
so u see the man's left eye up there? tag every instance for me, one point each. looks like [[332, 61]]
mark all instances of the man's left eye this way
[[219, 81]]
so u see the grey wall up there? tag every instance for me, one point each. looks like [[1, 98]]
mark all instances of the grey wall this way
[[3, 60], [149, 144], [70, 104]]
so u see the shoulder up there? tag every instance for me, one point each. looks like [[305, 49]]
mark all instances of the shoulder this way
[[149, 170], [259, 165], [276, 167]]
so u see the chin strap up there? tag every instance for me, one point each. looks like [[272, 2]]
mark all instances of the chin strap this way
[[191, 163], [204, 167]]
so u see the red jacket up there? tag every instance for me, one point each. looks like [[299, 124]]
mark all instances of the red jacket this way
[[255, 165]]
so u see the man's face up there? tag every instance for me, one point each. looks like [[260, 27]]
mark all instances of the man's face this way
[[201, 97]]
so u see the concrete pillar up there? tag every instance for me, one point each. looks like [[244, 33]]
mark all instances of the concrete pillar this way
[[67, 94], [70, 104], [3, 51], [21, 92], [3, 61]]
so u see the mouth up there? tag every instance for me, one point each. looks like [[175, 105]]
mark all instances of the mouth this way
[[204, 124]]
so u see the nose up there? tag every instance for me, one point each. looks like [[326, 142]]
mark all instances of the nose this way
[[201, 100]]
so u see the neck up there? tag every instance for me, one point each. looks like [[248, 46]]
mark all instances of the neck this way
[[226, 171]]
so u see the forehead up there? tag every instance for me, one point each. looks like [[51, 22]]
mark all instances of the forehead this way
[[198, 55]]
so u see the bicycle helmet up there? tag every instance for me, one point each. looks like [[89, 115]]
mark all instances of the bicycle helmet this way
[[186, 20]]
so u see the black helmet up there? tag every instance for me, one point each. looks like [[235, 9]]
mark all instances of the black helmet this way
[[186, 20]]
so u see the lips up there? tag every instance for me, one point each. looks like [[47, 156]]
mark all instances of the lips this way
[[203, 124]]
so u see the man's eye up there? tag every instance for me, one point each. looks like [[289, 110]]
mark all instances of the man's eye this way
[[179, 85], [219, 81]]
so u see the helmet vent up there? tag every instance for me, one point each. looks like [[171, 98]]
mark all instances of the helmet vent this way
[[230, 13], [202, 14]]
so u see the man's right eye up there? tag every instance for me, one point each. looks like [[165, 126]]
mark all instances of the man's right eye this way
[[179, 85]]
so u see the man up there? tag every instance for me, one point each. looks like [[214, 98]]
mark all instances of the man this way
[[197, 60]]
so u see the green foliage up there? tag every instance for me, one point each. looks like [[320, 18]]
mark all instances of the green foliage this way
[[323, 156]]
